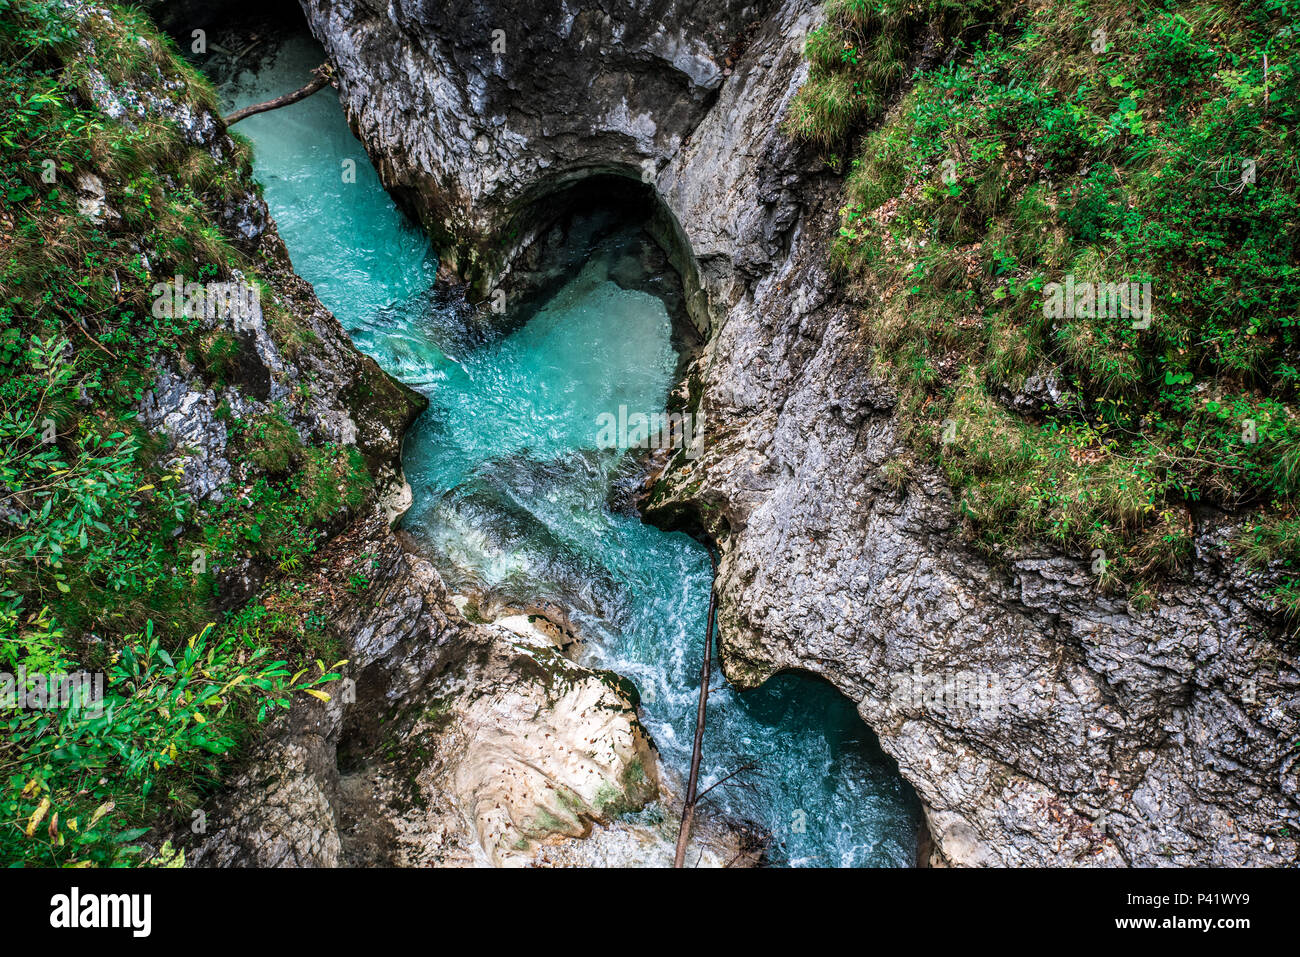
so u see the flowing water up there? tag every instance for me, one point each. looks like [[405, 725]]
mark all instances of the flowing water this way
[[511, 490]]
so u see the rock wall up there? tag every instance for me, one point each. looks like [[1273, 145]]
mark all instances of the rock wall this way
[[1103, 735], [474, 111]]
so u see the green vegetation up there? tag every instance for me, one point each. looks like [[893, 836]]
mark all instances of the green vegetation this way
[[107, 564], [1108, 143]]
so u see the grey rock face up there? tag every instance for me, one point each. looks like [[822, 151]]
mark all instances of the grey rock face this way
[[317, 386], [1040, 721], [326, 389], [1041, 391], [291, 822], [469, 109], [187, 415]]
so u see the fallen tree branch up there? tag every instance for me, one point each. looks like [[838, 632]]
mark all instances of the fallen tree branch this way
[[321, 76], [86, 332], [688, 809]]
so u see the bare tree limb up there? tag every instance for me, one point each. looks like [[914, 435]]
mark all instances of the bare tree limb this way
[[750, 766], [688, 809], [321, 76]]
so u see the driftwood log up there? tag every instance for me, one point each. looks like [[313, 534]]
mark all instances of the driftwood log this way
[[688, 808], [321, 77]]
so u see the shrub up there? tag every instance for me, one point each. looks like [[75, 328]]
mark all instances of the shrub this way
[[1157, 151]]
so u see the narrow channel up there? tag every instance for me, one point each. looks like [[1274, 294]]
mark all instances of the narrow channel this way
[[513, 498]]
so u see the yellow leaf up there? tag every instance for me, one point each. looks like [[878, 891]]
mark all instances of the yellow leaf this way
[[144, 488], [100, 812], [32, 785], [199, 718], [37, 815], [317, 694], [231, 683]]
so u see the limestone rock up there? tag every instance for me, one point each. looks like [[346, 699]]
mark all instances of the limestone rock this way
[[461, 745], [468, 109]]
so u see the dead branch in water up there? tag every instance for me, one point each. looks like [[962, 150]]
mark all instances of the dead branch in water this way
[[688, 809], [321, 76]]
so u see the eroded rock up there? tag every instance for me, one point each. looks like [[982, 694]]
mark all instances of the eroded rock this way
[[472, 113]]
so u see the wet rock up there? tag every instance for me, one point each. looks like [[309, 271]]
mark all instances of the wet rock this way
[[469, 108]]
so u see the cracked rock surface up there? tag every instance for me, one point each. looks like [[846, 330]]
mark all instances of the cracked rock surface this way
[[454, 744]]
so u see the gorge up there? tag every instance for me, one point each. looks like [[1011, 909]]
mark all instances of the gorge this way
[[510, 491], [509, 220], [1114, 711]]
